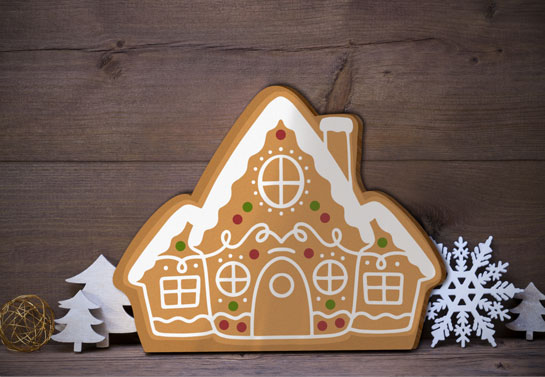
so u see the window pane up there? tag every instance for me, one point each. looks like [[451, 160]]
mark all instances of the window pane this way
[[392, 295], [374, 280], [171, 299], [336, 284], [271, 171], [273, 193], [393, 281], [189, 298], [290, 171], [374, 294], [289, 192], [170, 284]]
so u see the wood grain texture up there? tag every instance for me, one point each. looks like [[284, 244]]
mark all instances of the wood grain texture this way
[[280, 25], [108, 109], [450, 84], [58, 217], [511, 357]]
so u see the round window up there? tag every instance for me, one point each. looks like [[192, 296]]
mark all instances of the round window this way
[[330, 277], [233, 279], [281, 181]]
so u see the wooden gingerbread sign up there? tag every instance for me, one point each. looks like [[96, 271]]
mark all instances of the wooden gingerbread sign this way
[[280, 247]]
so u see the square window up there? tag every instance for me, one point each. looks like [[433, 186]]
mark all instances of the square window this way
[[382, 288], [179, 292], [392, 295]]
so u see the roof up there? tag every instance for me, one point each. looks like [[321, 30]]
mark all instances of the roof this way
[[283, 107]]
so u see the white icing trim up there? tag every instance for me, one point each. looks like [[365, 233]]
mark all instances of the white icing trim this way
[[344, 125], [182, 319], [348, 328], [200, 316], [382, 315], [262, 234], [275, 292], [359, 216], [336, 124], [281, 250], [236, 165], [357, 314]]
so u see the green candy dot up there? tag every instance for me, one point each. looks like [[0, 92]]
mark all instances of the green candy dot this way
[[180, 245], [247, 207], [382, 242], [330, 304], [314, 205], [233, 305]]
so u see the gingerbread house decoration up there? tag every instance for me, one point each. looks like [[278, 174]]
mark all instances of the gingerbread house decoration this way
[[280, 247]]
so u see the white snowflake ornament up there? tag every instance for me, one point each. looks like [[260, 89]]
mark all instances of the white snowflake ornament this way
[[470, 291]]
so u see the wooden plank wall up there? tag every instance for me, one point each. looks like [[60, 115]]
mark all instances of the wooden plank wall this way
[[108, 109]]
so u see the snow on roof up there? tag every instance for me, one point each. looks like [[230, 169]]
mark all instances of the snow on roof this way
[[205, 218]]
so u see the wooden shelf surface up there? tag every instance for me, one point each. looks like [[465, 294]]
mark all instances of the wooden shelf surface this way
[[510, 357]]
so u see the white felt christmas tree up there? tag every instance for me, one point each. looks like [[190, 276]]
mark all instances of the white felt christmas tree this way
[[77, 323], [530, 312], [100, 289]]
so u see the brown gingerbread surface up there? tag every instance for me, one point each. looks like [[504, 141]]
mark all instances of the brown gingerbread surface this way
[[280, 247]]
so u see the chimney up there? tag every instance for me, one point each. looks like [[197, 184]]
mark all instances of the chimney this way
[[337, 130]]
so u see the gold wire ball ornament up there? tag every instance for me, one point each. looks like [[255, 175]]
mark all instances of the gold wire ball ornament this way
[[26, 323]]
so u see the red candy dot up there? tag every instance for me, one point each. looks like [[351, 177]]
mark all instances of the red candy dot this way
[[224, 325], [339, 322], [237, 219], [254, 254], [322, 325], [324, 217], [309, 253], [280, 134], [241, 327]]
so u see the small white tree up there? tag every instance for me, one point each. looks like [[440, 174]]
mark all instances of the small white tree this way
[[77, 323], [530, 312], [99, 287]]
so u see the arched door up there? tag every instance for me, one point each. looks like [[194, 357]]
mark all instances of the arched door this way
[[281, 305]]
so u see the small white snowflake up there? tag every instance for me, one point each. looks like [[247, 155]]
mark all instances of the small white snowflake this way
[[464, 293]]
